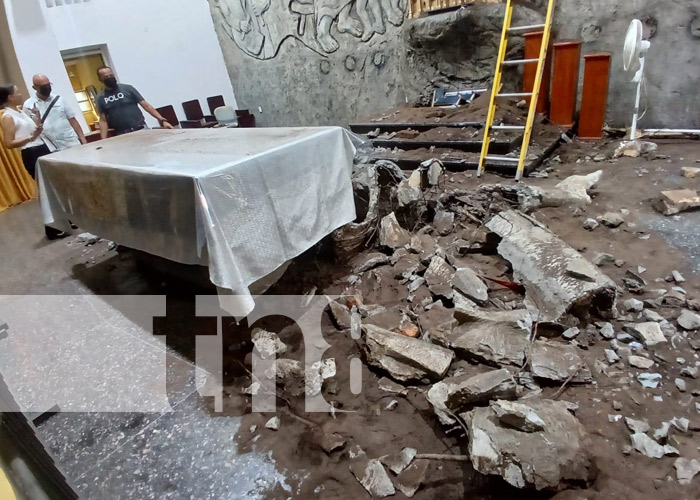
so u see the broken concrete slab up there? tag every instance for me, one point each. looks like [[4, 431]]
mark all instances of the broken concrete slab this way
[[674, 202], [439, 277], [518, 416], [411, 479], [408, 191], [612, 219], [373, 477], [558, 361], [458, 394], [633, 305], [363, 263], [637, 426], [391, 234], [649, 380], [649, 333], [404, 358], [491, 341], [686, 470], [540, 261], [467, 282], [647, 446], [406, 264], [576, 187], [634, 148], [640, 362], [554, 458], [398, 462], [689, 320], [444, 222]]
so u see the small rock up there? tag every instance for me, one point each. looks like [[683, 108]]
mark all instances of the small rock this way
[[340, 315], [267, 344], [439, 276], [686, 469], [633, 305], [690, 372], [676, 201], [647, 446], [467, 282], [392, 405], [640, 362], [673, 299], [333, 442], [590, 224], [649, 333], [682, 424], [444, 222], [617, 406], [87, 238], [571, 333], [600, 259], [411, 479], [634, 148], [611, 356], [371, 475], [398, 462], [650, 315], [627, 449], [388, 385], [690, 172], [518, 416], [680, 384], [367, 262], [607, 331], [273, 423], [689, 320], [637, 426], [612, 219], [619, 262], [599, 158], [391, 234], [649, 380], [677, 277]]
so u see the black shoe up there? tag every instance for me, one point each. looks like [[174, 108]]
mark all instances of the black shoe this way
[[56, 235]]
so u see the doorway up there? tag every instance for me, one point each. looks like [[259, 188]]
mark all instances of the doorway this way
[[81, 66]]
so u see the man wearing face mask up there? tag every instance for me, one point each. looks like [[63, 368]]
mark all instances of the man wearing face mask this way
[[61, 127], [118, 106]]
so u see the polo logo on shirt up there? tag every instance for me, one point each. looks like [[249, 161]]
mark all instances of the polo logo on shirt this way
[[114, 98]]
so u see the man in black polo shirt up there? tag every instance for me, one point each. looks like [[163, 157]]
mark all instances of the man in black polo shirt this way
[[118, 106]]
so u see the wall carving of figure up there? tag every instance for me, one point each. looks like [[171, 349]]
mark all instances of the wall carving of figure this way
[[260, 27]]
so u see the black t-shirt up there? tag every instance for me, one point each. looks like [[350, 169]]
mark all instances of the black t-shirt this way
[[121, 106]]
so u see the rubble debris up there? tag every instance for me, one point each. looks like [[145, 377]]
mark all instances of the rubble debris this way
[[333, 442], [540, 261], [404, 358], [409, 190], [411, 479], [686, 470], [600, 259], [391, 234], [650, 315], [444, 222], [690, 172], [457, 394], [680, 384], [611, 219], [273, 424], [87, 238], [298, 380], [647, 446], [518, 416], [340, 315], [607, 331], [576, 187], [439, 277], [689, 320], [571, 333], [633, 305], [611, 356], [649, 333], [434, 169], [558, 361], [677, 201], [637, 426], [634, 149], [467, 282], [553, 458], [677, 277], [397, 463], [371, 475], [649, 380], [674, 299], [388, 385], [370, 261], [690, 372], [267, 344], [640, 362], [590, 224]]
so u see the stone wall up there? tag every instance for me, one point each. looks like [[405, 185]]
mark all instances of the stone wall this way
[[318, 62]]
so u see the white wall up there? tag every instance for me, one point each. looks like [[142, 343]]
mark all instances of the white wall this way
[[36, 47], [167, 49]]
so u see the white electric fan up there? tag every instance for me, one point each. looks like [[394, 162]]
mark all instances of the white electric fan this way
[[634, 54]]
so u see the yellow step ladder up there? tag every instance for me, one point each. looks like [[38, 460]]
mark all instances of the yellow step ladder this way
[[501, 63]]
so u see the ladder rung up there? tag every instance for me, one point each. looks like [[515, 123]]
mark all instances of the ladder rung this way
[[532, 27], [508, 127], [515, 94], [515, 62], [501, 158]]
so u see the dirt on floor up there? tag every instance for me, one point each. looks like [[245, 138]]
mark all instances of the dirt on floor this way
[[378, 427]]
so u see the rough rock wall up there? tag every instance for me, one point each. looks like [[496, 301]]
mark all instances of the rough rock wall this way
[[316, 62]]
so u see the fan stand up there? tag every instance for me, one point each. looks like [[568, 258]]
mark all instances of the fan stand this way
[[640, 79]]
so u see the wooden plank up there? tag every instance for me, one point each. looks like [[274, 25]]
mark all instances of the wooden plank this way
[[418, 7]]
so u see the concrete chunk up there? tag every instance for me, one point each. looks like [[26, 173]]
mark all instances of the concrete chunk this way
[[689, 320], [558, 361], [673, 202], [404, 358], [391, 234], [439, 277], [373, 477], [467, 282], [686, 469], [540, 261], [649, 333], [518, 415]]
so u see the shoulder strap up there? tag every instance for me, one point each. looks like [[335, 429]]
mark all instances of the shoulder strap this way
[[48, 110]]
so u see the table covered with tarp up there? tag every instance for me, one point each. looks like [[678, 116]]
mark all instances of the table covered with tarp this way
[[241, 201]]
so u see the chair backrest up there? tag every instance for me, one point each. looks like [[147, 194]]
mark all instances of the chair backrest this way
[[242, 112], [193, 110], [225, 115], [214, 102], [191, 124], [168, 112], [246, 121]]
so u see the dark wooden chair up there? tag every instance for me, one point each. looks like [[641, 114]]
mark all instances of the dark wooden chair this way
[[193, 111], [245, 118], [191, 124], [168, 112], [214, 102]]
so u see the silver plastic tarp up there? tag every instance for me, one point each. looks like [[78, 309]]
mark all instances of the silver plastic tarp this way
[[242, 201]]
